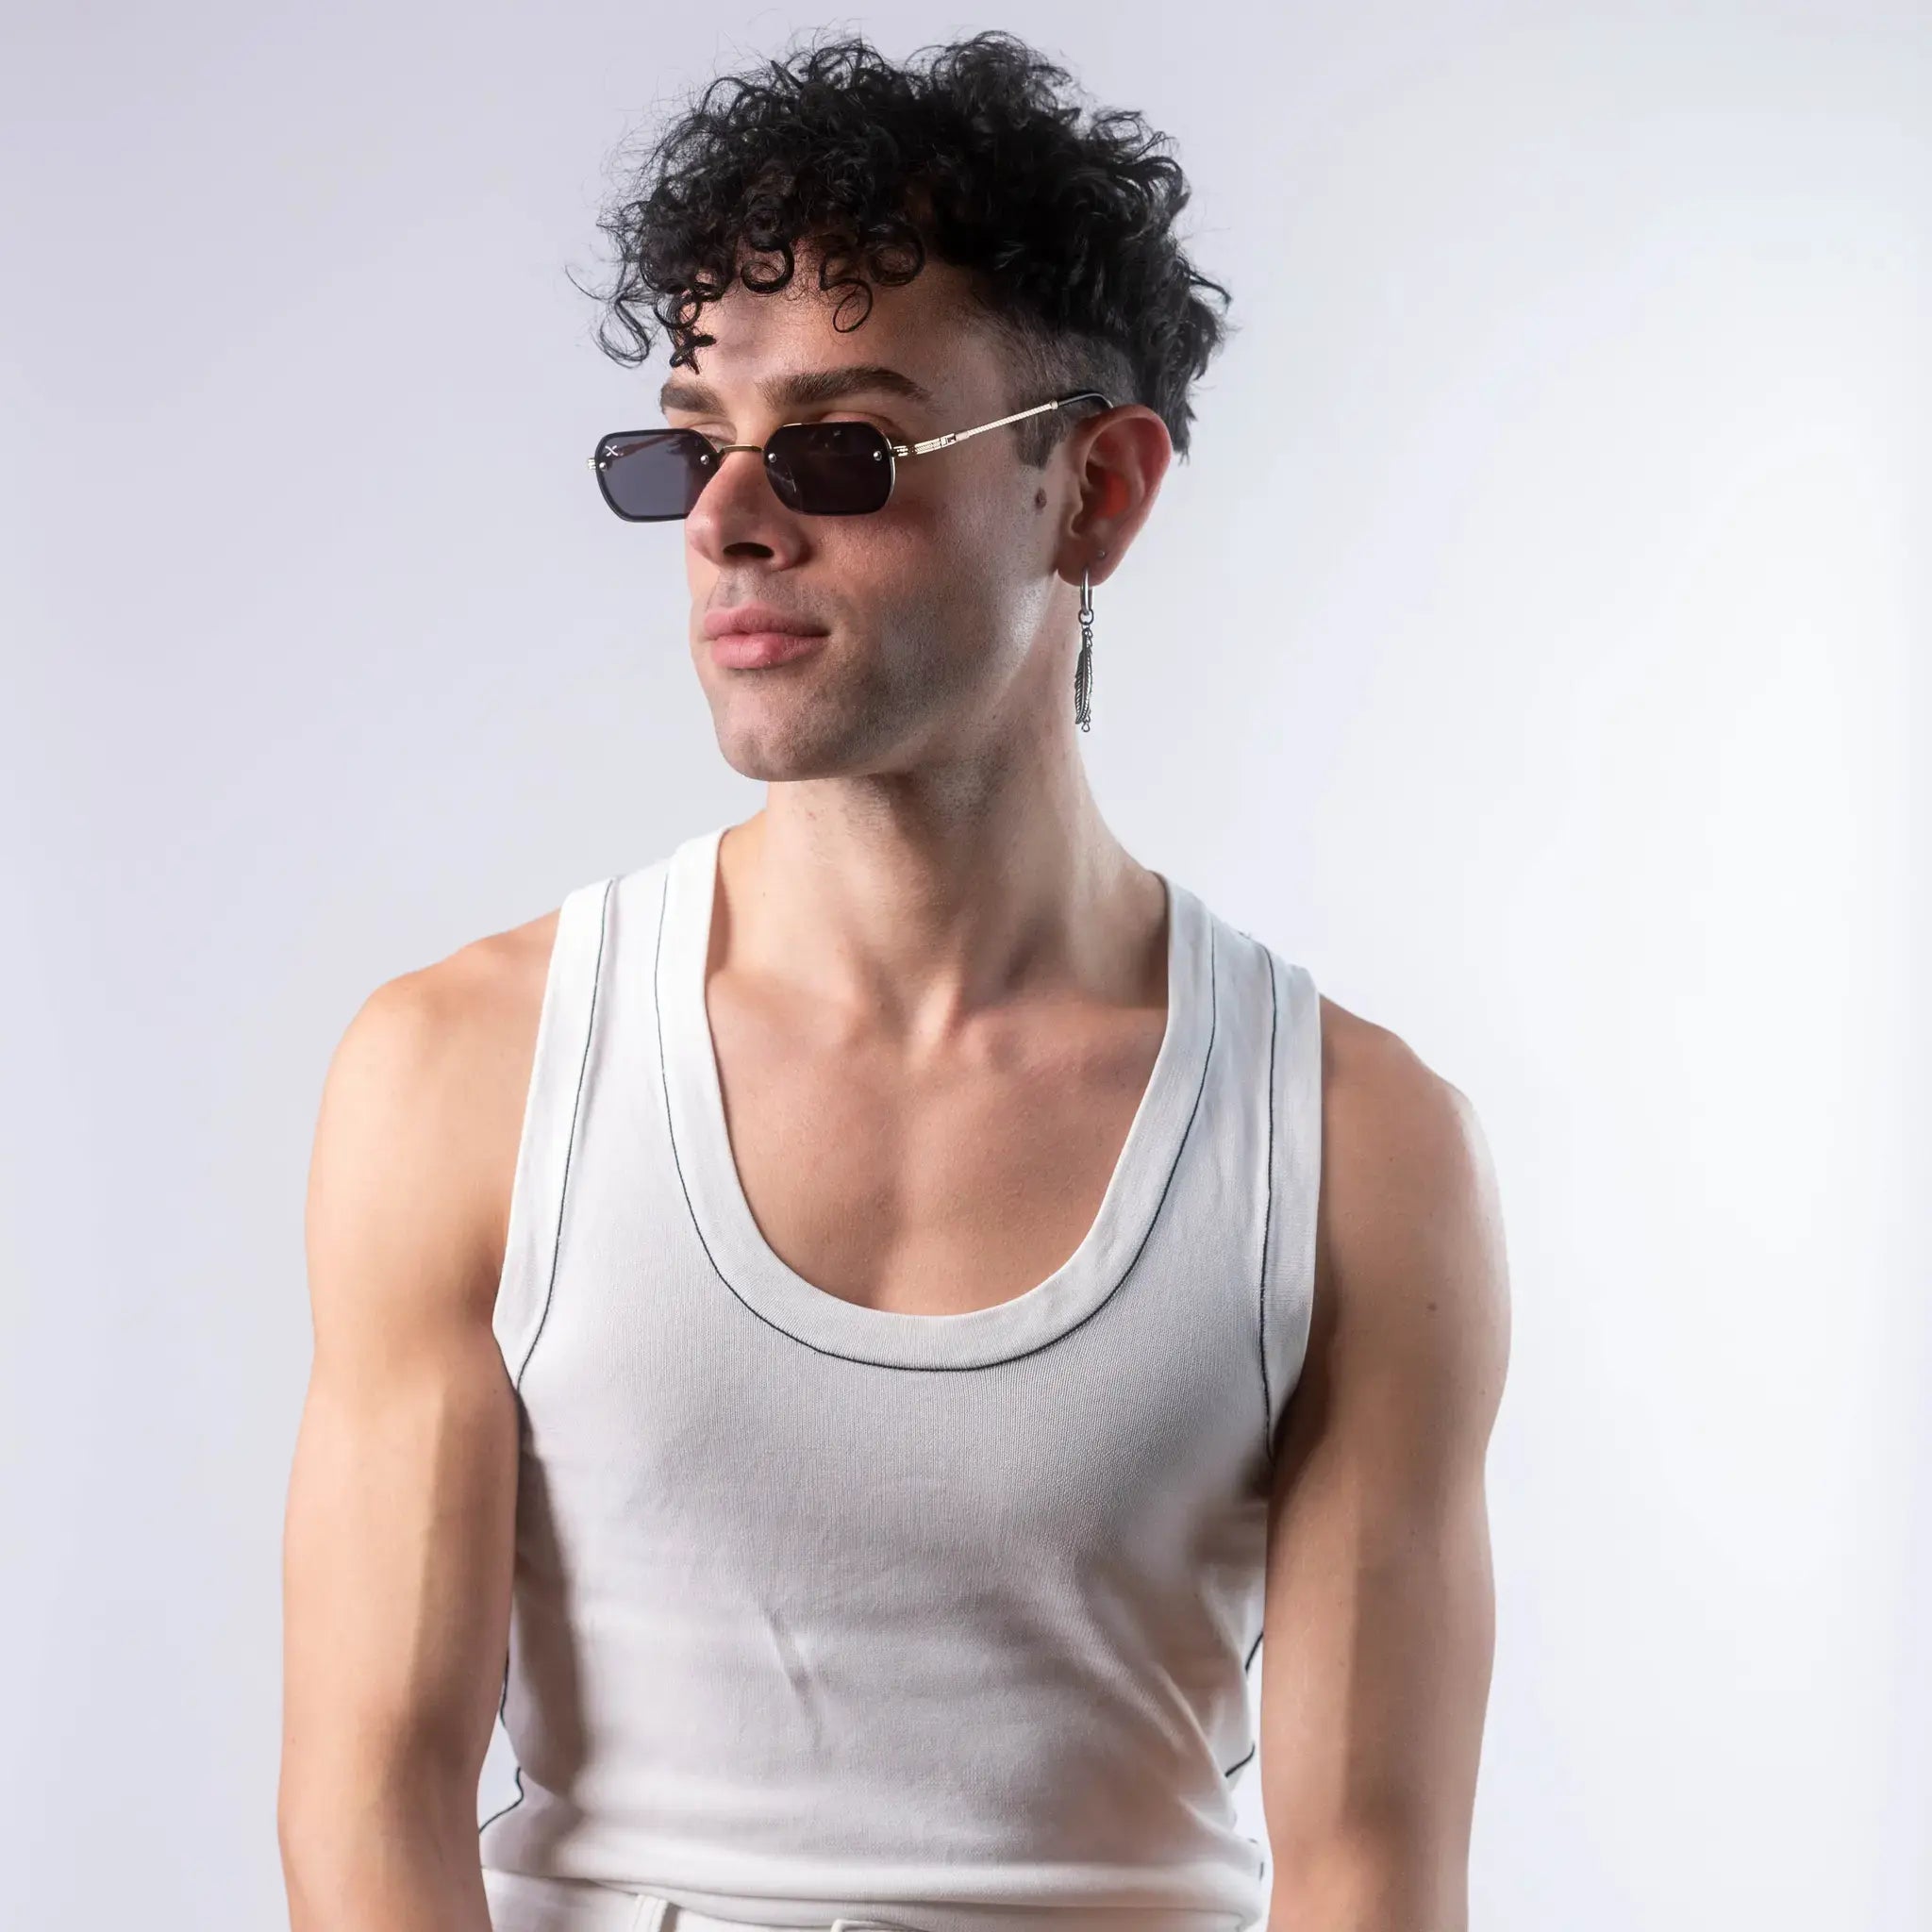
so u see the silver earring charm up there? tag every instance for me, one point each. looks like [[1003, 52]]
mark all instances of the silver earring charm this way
[[1083, 671]]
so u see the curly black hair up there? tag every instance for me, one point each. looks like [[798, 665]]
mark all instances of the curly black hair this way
[[971, 153]]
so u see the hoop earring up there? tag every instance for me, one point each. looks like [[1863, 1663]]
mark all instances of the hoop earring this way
[[1083, 669]]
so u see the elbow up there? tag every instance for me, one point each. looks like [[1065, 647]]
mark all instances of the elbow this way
[[397, 1848], [1391, 1873]]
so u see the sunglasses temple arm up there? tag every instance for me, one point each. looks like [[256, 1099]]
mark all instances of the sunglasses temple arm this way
[[919, 449]]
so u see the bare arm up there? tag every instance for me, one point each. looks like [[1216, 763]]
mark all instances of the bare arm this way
[[400, 1527], [1380, 1630]]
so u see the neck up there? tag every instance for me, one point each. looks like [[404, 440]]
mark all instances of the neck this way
[[924, 900]]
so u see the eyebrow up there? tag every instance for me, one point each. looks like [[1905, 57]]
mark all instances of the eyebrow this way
[[798, 391]]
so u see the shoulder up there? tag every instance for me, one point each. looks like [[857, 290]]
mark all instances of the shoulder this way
[[437, 1036], [1410, 1250], [421, 1111], [1389, 1119]]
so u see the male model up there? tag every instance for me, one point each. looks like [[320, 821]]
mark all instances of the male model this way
[[848, 1335]]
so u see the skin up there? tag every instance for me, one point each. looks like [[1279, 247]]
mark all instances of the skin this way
[[1380, 1621], [936, 988]]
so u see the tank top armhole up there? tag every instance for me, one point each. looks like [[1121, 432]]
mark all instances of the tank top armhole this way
[[550, 1107], [1295, 1139]]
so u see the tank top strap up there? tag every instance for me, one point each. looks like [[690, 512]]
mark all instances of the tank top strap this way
[[1295, 1177], [551, 1109]]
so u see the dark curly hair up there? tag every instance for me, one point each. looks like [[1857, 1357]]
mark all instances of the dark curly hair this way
[[1067, 229]]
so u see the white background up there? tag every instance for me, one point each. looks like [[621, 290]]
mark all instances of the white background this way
[[1527, 648]]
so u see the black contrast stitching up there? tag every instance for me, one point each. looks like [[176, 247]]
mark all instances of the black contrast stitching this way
[[1245, 1668]]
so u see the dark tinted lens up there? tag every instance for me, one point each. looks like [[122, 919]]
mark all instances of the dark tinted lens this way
[[829, 469], [651, 476]]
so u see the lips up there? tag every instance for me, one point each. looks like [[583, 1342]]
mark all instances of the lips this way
[[751, 637], [754, 650], [758, 617]]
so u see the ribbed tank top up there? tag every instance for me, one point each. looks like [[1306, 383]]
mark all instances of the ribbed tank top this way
[[824, 1611]]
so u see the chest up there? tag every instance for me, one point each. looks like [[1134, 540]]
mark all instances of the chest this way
[[934, 1185]]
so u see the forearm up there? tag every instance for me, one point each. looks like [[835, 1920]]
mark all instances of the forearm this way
[[358, 1865]]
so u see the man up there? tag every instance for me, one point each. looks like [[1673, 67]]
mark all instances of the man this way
[[814, 1320]]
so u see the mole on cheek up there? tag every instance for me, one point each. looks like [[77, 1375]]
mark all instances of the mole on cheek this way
[[1039, 499]]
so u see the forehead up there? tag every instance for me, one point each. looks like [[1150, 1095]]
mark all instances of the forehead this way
[[924, 330]]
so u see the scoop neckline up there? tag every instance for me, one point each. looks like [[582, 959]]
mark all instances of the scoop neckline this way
[[753, 1271]]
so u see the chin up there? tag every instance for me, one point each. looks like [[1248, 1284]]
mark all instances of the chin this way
[[774, 726], [782, 750]]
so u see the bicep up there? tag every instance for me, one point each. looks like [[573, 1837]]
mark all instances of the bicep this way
[[400, 1523], [1381, 1614]]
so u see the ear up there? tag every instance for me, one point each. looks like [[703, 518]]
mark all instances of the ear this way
[[1118, 460]]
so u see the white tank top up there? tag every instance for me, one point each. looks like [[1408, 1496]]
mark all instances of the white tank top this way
[[821, 1610]]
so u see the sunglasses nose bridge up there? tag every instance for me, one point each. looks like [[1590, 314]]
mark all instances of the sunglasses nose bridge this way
[[761, 450]]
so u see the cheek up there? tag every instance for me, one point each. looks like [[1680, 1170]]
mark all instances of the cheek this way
[[950, 559], [906, 552], [981, 526]]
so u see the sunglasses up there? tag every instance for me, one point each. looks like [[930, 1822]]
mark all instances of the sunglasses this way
[[817, 469]]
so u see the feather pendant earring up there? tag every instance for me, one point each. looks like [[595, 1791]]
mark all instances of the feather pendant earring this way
[[1083, 669]]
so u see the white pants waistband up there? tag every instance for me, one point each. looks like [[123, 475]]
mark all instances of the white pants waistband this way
[[519, 1902]]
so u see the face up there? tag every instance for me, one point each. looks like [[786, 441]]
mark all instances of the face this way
[[941, 612]]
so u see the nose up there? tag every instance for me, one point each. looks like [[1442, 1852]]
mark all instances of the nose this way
[[737, 508]]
